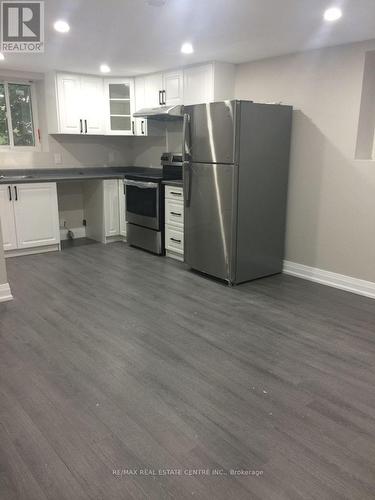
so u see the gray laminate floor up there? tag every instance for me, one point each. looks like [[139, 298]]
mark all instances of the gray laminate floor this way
[[112, 359]]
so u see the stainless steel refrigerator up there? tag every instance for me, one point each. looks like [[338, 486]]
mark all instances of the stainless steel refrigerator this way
[[236, 163]]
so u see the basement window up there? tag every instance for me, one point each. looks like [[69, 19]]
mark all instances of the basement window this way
[[17, 119]]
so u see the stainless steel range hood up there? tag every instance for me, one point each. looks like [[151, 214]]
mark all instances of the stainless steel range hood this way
[[161, 113]]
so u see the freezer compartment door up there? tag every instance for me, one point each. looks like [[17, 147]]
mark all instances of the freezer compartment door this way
[[210, 218], [213, 131]]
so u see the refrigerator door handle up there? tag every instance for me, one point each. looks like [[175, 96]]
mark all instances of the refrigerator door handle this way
[[186, 139], [187, 182], [186, 157]]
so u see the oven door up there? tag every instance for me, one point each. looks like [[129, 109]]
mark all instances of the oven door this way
[[143, 203]]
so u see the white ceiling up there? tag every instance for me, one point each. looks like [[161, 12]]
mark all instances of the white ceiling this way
[[134, 37]]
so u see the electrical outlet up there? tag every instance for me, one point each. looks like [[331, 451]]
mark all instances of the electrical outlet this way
[[58, 158]]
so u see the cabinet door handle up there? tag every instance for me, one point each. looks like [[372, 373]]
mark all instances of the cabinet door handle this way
[[160, 97], [176, 194], [10, 193], [133, 128], [176, 214], [142, 127], [175, 240], [164, 94], [81, 126], [16, 192], [85, 126]]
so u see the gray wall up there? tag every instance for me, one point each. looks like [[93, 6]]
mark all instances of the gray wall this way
[[331, 195], [166, 136], [3, 273], [146, 151]]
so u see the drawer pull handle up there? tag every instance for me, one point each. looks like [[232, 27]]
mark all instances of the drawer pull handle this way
[[175, 213], [177, 194], [175, 240]]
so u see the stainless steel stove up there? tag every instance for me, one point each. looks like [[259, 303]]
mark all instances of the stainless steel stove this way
[[144, 196]]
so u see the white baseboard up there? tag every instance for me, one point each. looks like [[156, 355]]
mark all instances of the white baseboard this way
[[31, 251], [5, 293], [114, 239], [79, 232], [354, 285]]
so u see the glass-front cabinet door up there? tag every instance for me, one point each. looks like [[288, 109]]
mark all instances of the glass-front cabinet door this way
[[119, 94]]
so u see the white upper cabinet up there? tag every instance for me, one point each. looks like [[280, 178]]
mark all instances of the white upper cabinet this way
[[92, 105], [119, 95], [173, 88], [74, 104], [82, 104], [162, 89], [208, 82], [140, 102], [139, 92], [153, 90], [198, 84], [68, 95]]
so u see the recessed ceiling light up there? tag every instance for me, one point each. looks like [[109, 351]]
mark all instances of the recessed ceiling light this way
[[104, 68], [61, 26], [333, 14], [187, 48], [2, 57]]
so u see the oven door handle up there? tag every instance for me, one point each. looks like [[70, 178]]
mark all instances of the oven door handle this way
[[140, 184]]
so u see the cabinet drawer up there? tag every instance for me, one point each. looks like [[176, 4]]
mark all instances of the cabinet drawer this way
[[174, 213], [174, 240], [174, 193]]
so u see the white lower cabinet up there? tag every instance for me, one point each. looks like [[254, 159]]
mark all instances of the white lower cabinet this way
[[114, 210], [111, 208], [122, 207], [174, 222], [174, 241], [174, 213], [8, 222], [29, 214]]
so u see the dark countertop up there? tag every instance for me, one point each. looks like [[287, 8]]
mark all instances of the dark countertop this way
[[21, 176], [177, 183]]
